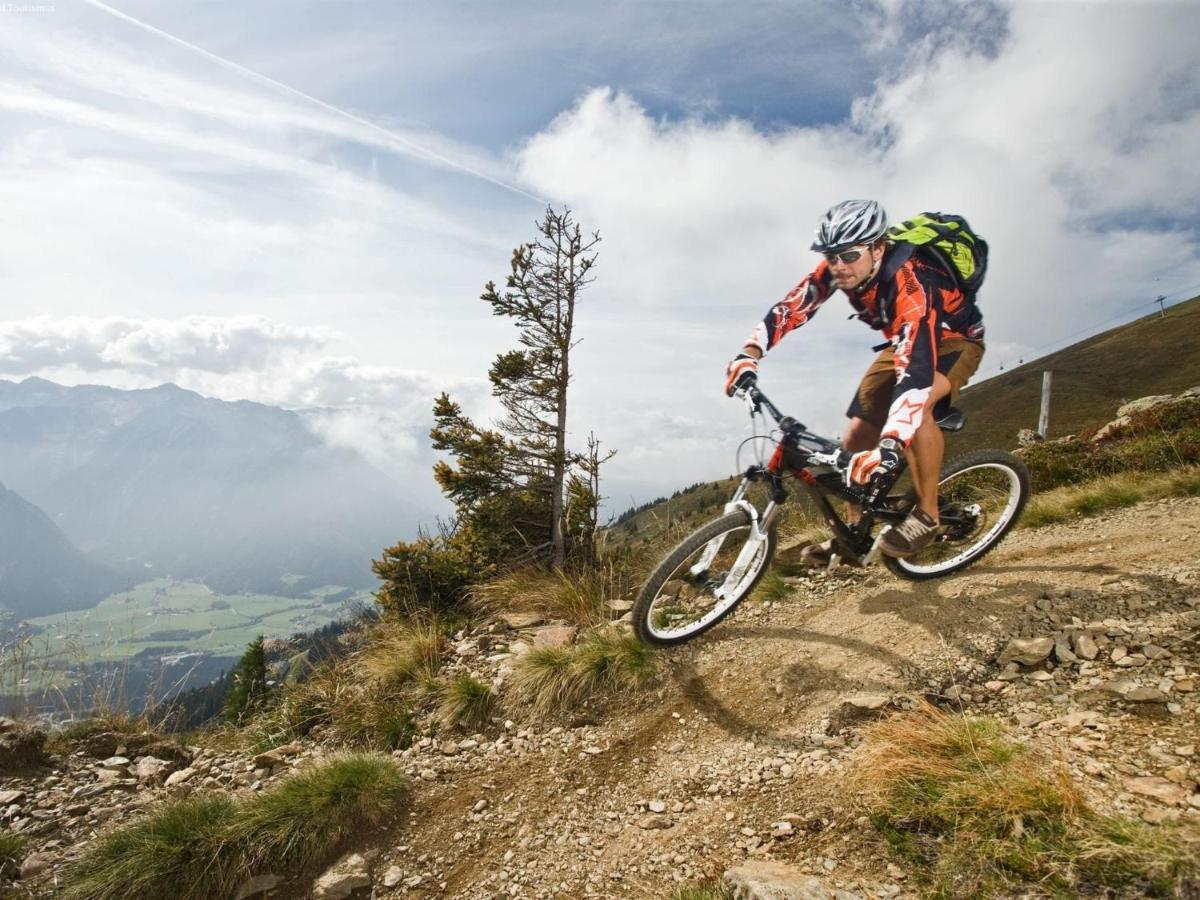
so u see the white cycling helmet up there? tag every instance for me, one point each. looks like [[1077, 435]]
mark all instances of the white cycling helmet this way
[[850, 222]]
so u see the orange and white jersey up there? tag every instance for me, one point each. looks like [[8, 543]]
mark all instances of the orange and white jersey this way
[[916, 308]]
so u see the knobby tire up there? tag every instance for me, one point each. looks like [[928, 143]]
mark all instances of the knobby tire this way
[[642, 608]]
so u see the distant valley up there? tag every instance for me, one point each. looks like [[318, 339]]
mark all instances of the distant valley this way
[[164, 482], [135, 495]]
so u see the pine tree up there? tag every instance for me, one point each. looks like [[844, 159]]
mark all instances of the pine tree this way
[[541, 294], [521, 495], [249, 691]]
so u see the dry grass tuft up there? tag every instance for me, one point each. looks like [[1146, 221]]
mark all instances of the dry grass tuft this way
[[394, 655], [579, 597], [463, 702], [772, 588], [367, 700], [982, 814], [604, 664], [1110, 492], [206, 846], [710, 890]]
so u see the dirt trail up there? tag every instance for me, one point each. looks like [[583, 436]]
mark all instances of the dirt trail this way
[[751, 724]]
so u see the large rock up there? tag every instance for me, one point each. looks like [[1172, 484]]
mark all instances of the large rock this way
[[1159, 788], [519, 620], [1143, 403], [554, 636], [21, 748], [1027, 651], [272, 758], [347, 875], [259, 884], [152, 770], [768, 880], [1085, 645]]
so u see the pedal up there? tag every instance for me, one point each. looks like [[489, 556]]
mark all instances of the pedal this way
[[873, 553]]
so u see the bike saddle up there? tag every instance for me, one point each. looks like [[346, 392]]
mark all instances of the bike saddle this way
[[951, 419]]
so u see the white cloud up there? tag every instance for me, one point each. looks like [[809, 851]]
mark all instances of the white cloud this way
[[1070, 145], [141, 186], [158, 346]]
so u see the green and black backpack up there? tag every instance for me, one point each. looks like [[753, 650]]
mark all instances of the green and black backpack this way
[[946, 239]]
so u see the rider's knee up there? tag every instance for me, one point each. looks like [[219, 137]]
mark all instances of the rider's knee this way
[[860, 435]]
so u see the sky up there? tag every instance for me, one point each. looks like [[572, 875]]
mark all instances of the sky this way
[[299, 202]]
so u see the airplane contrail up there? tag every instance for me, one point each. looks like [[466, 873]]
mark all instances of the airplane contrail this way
[[279, 85]]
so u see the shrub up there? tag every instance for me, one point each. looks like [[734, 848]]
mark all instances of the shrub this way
[[1157, 439], [427, 575]]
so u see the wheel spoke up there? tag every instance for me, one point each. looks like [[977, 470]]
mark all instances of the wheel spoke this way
[[702, 580], [977, 504]]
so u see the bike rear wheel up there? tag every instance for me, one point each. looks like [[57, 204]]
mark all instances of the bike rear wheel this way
[[980, 498], [702, 580]]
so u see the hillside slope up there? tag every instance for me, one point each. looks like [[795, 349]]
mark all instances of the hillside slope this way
[[1091, 378], [40, 571], [757, 725]]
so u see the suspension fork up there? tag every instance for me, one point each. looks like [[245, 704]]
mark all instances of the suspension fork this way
[[759, 528]]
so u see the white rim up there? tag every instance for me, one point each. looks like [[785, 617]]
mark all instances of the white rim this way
[[982, 543], [719, 606]]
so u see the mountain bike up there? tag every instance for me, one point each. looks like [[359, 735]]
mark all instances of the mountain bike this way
[[981, 495]]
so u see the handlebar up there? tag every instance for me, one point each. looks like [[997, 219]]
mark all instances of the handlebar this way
[[828, 453]]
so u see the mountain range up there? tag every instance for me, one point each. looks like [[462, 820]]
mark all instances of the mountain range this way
[[163, 481]]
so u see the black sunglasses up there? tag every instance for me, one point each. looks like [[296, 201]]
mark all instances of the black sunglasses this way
[[846, 256]]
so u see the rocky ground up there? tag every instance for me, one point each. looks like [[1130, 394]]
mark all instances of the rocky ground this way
[[1084, 638]]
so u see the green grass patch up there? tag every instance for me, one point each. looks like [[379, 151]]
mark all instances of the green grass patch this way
[[1159, 439], [772, 588], [979, 814], [1111, 492], [713, 890], [12, 846], [604, 664], [464, 702], [179, 851], [309, 815], [204, 847]]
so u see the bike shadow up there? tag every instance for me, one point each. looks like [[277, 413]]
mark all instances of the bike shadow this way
[[804, 680], [943, 607]]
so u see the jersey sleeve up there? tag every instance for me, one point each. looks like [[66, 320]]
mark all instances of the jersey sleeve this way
[[800, 305], [915, 356]]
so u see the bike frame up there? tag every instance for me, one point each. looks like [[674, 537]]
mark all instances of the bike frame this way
[[819, 463]]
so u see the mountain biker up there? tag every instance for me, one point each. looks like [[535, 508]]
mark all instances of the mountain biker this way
[[935, 343]]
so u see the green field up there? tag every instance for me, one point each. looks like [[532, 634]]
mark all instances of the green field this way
[[187, 615]]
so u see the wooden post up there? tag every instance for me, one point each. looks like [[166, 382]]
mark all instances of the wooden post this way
[[1044, 418]]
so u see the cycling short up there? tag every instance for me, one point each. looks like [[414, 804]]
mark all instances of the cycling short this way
[[957, 360]]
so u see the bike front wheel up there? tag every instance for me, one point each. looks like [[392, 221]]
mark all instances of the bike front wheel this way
[[980, 498], [702, 580]]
